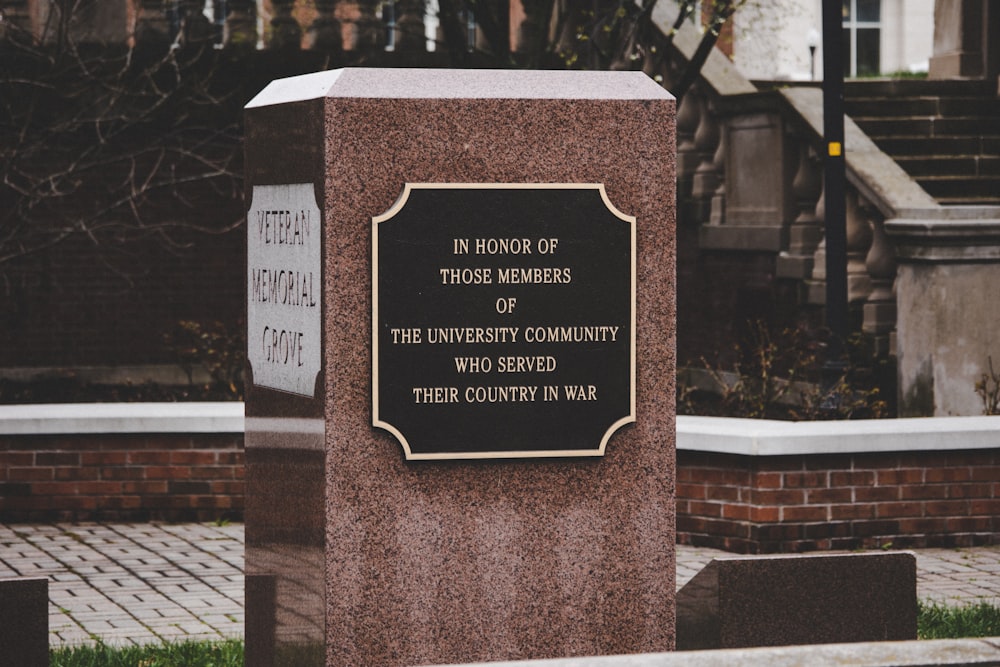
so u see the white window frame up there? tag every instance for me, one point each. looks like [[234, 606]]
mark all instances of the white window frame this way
[[851, 25]]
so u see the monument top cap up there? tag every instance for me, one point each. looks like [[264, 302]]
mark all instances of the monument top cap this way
[[370, 82]]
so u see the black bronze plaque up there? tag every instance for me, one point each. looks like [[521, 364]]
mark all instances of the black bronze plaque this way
[[503, 320]]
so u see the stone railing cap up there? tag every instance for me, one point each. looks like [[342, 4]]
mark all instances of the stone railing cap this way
[[718, 72], [947, 234]]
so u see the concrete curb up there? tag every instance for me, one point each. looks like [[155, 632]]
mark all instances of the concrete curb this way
[[951, 652]]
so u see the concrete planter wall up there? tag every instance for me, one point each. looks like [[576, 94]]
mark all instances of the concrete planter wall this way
[[751, 486], [760, 486], [121, 462]]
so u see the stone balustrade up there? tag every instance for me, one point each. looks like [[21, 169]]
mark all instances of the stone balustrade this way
[[750, 182], [323, 25], [754, 182]]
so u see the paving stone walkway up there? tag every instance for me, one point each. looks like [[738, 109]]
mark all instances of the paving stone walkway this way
[[132, 583], [143, 583]]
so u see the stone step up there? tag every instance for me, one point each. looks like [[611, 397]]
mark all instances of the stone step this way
[[976, 126], [961, 187], [945, 134], [968, 201], [961, 165], [918, 88], [900, 146], [947, 107]]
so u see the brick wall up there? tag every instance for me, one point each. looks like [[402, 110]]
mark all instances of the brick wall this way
[[770, 504], [737, 502], [121, 477]]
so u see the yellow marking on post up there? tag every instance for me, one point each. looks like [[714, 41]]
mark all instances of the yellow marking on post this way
[[835, 148]]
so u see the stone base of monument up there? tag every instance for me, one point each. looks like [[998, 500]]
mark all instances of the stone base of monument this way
[[24, 622], [743, 602]]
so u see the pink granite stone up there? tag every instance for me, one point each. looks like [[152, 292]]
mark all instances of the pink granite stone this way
[[462, 561], [749, 601], [24, 622]]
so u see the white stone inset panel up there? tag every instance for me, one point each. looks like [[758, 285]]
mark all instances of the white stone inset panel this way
[[284, 287]]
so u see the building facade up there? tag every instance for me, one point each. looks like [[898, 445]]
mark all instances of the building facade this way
[[782, 40]]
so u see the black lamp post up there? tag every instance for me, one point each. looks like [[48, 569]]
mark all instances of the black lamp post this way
[[834, 181]]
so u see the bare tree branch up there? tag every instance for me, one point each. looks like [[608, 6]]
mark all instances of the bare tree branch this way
[[119, 143], [112, 144]]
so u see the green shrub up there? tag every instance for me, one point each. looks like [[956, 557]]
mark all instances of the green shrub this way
[[782, 376], [212, 347], [988, 389]]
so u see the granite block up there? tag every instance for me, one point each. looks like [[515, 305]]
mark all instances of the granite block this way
[[260, 600], [743, 602], [24, 621], [430, 562]]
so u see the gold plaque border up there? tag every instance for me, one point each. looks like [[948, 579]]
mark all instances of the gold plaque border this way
[[531, 454]]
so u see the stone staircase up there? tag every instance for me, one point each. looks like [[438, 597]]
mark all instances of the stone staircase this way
[[944, 134]]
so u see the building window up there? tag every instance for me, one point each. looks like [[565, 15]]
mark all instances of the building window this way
[[862, 37], [389, 21]]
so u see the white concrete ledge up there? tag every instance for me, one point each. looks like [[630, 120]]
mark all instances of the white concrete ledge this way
[[723, 435], [50, 419], [954, 652], [765, 437]]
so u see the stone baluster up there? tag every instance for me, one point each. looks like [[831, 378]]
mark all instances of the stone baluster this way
[[196, 26], [653, 65], [880, 308], [664, 71], [152, 26], [410, 36], [369, 26], [16, 23], [220, 10], [285, 30], [241, 24], [816, 282], [687, 159], [389, 25], [531, 31], [325, 32], [688, 118], [806, 230], [706, 178], [347, 13], [859, 240], [717, 216]]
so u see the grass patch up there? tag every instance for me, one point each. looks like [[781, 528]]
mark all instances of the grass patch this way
[[222, 653], [937, 621]]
